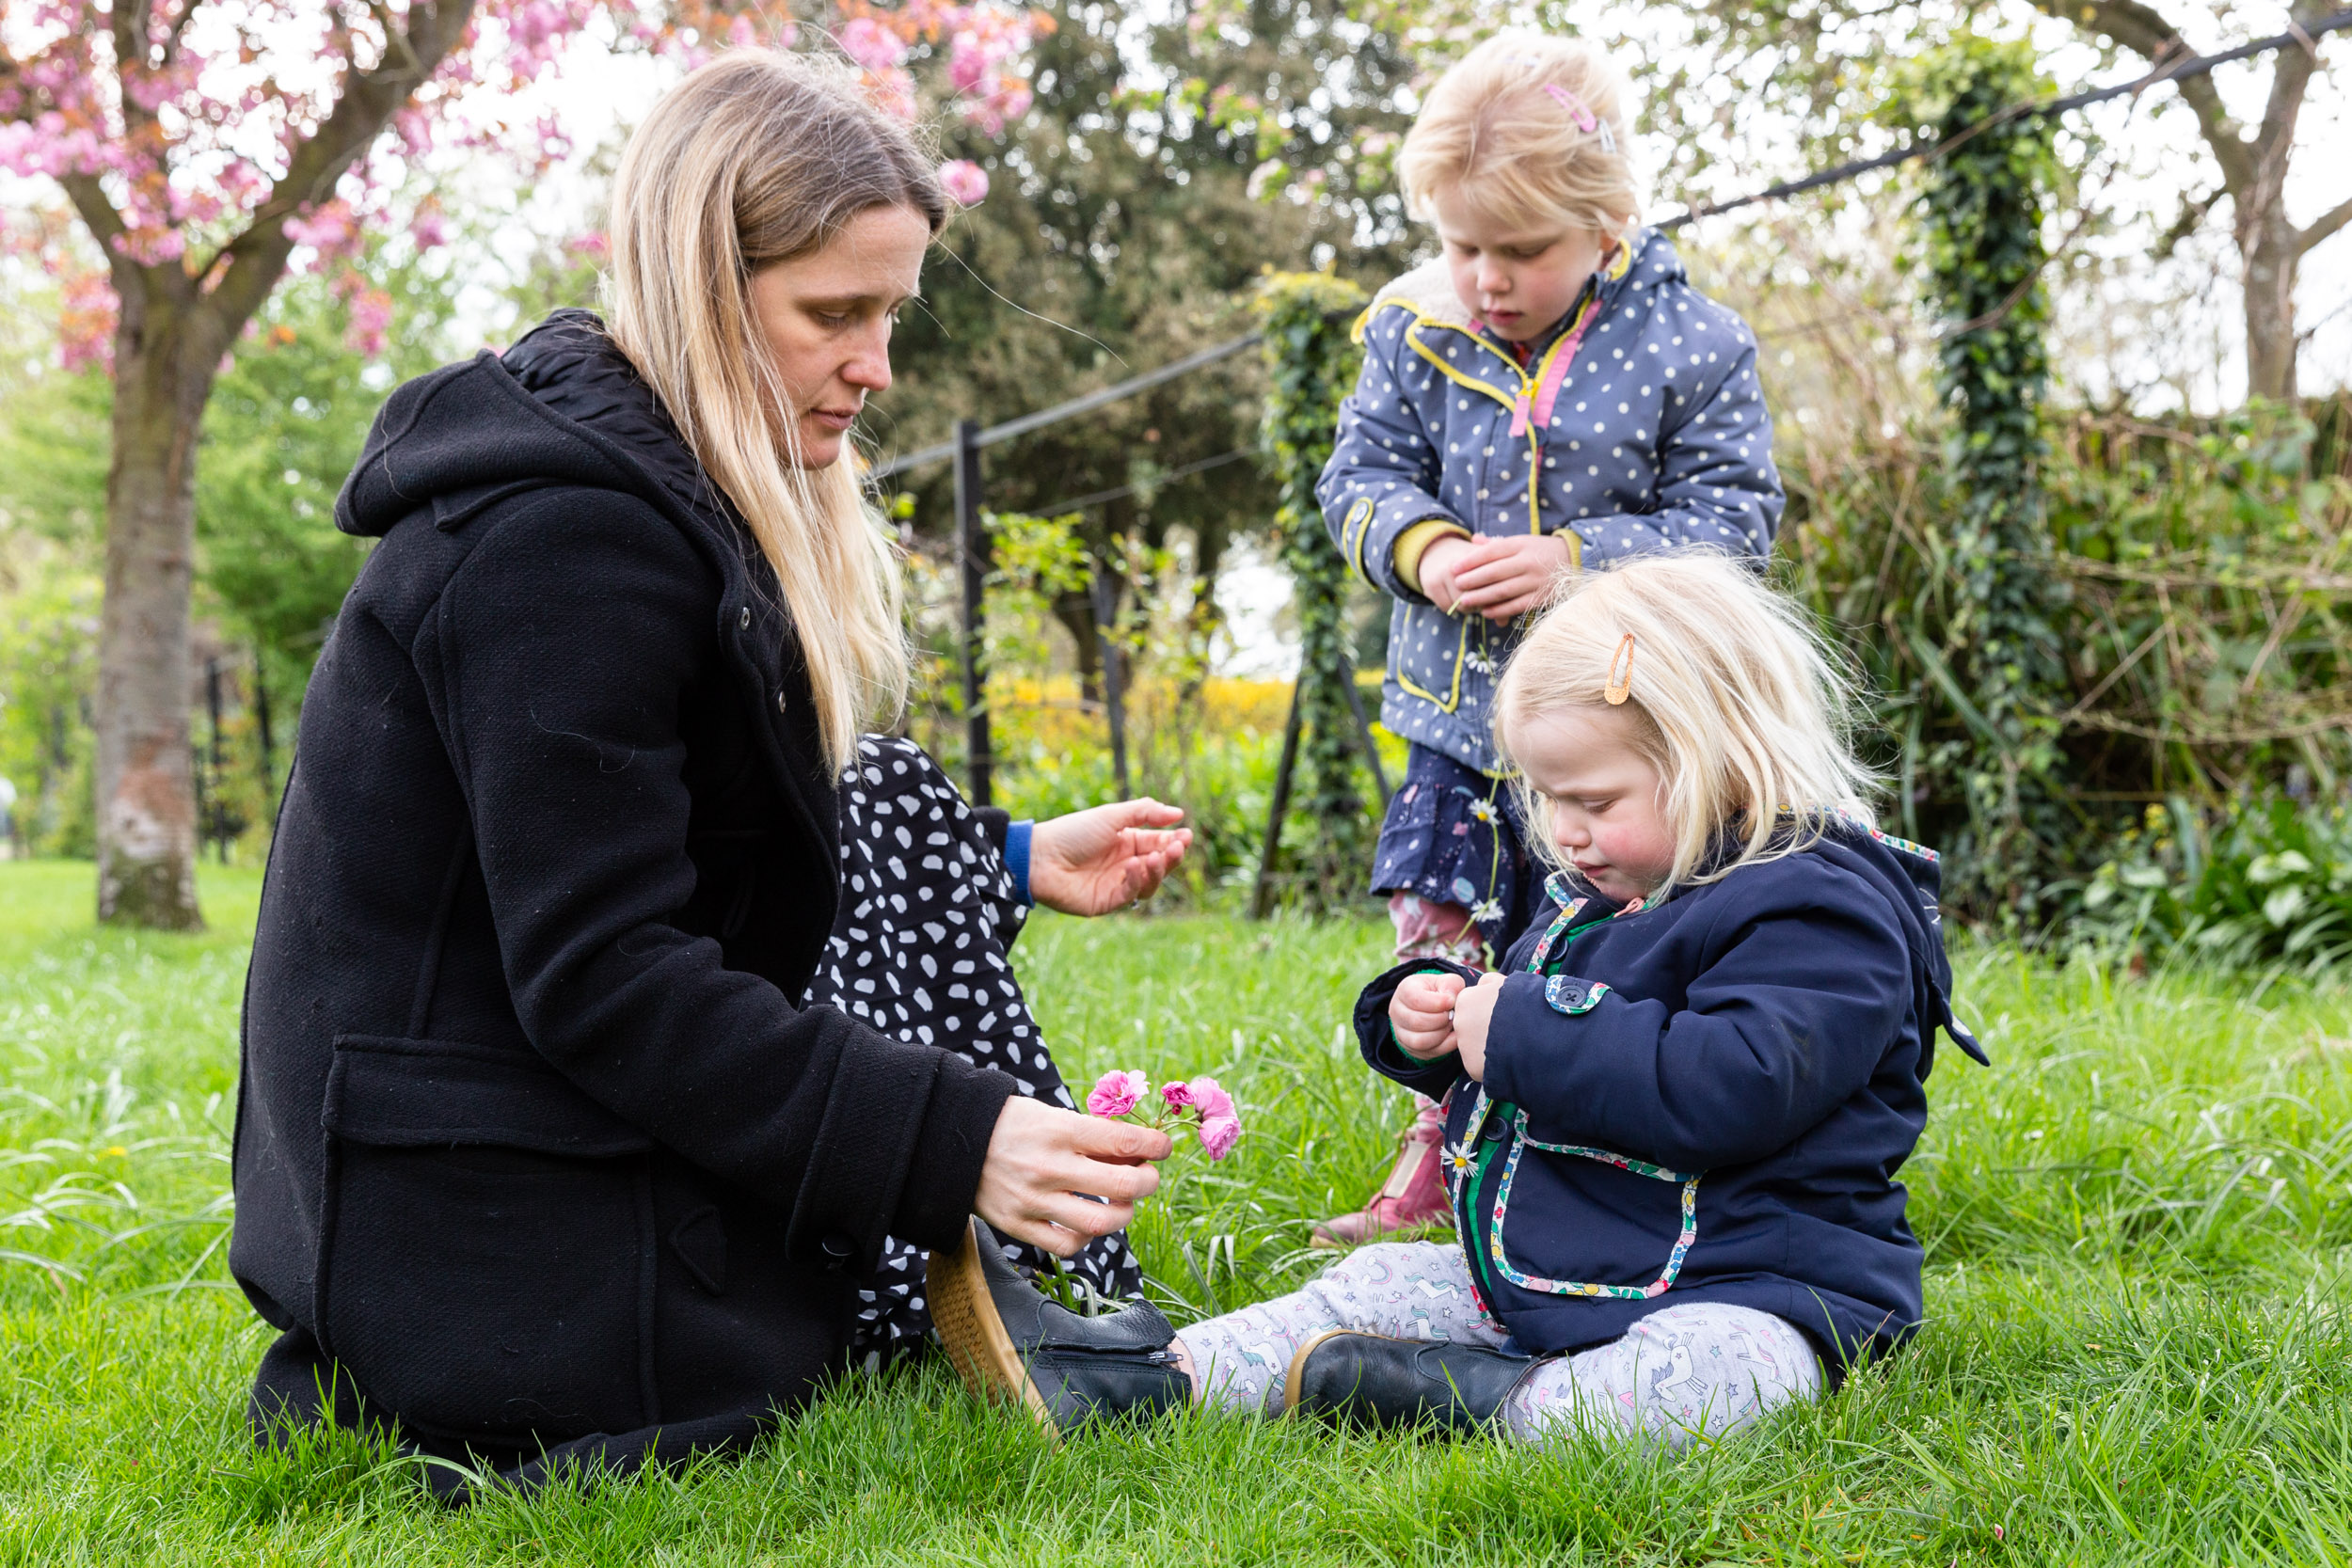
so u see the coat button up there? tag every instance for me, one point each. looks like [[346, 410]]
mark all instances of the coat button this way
[[780, 704], [746, 622], [837, 1249]]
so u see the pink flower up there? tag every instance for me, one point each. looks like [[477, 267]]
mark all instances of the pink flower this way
[[1204, 1096], [965, 182], [1178, 1095], [1116, 1093], [872, 44], [1218, 1134], [892, 91]]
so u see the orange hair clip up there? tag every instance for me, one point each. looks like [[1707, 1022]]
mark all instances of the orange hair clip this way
[[1620, 684]]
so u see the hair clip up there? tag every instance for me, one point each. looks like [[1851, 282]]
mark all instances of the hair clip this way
[[1585, 120], [1620, 684]]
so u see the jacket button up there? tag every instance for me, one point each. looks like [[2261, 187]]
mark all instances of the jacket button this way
[[746, 622], [837, 1249], [780, 704]]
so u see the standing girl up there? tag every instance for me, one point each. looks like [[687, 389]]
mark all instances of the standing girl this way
[[1549, 393], [1672, 1131]]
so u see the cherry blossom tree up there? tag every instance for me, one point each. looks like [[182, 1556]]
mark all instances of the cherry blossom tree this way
[[206, 147]]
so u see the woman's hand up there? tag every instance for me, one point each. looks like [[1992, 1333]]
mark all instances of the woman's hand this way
[[1096, 861], [1040, 1159], [1421, 1015], [1473, 1010], [1501, 578]]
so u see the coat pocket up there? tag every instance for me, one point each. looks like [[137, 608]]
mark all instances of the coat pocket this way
[[1428, 648], [487, 1266]]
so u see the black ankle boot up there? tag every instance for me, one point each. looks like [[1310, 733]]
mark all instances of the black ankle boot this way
[[1369, 1380], [1011, 1342]]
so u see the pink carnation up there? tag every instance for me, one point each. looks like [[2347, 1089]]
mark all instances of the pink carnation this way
[[1218, 1134], [1116, 1093], [1178, 1095], [965, 182], [1204, 1096]]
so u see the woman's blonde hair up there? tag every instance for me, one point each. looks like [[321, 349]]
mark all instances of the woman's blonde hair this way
[[1735, 701], [755, 159], [1503, 127]]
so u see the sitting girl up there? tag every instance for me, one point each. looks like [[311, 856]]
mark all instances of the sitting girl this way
[[1672, 1122]]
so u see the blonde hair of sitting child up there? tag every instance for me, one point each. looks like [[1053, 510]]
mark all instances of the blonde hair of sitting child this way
[[1531, 131], [1737, 703]]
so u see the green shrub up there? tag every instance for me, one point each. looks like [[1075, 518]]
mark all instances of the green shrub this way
[[2207, 629], [2272, 886]]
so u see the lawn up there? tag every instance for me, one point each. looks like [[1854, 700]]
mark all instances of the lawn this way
[[2137, 1225]]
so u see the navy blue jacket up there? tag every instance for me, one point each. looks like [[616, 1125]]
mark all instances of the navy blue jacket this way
[[1703, 1100]]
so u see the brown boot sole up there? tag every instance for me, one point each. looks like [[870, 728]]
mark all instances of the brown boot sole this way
[[1298, 1367], [966, 1316]]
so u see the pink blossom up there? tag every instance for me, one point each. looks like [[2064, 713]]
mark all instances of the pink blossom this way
[[965, 182], [1207, 1097], [86, 325], [969, 59], [872, 44], [329, 227], [1178, 1095], [1218, 1134], [366, 329], [428, 229], [1116, 1093], [892, 91]]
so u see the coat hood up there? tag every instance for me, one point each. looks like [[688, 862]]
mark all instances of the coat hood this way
[[563, 406], [1908, 875]]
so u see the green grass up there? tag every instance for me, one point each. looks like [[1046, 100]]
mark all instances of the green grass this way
[[2136, 1351]]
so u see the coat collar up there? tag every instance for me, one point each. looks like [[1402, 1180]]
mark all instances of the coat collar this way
[[1426, 293]]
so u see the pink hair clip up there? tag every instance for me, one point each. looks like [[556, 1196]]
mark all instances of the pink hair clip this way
[[1585, 120]]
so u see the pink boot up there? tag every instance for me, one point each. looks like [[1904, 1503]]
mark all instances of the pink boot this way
[[1413, 1195]]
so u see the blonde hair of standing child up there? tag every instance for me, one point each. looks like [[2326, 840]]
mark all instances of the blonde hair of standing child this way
[[1530, 130], [1736, 702]]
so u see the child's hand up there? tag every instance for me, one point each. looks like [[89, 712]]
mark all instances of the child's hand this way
[[1502, 578], [1438, 563], [1473, 1011], [1420, 1015]]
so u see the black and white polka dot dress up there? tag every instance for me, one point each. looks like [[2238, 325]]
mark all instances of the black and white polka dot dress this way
[[918, 951]]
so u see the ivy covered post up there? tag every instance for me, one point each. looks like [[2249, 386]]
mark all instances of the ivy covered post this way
[[1310, 365], [2000, 673]]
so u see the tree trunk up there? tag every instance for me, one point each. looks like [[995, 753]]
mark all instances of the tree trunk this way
[[2266, 248], [147, 829]]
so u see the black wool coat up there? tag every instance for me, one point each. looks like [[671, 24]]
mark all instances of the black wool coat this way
[[534, 1139]]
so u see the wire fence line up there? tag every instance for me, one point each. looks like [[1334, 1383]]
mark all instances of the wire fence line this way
[[2178, 67]]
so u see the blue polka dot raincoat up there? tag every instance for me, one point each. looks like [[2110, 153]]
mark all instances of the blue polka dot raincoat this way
[[1637, 424]]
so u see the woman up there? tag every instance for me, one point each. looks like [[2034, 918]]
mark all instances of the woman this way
[[546, 1151]]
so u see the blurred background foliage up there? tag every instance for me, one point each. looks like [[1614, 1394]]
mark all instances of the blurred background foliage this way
[[2190, 568]]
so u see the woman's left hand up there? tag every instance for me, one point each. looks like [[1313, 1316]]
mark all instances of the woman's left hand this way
[[1473, 1010], [1096, 861]]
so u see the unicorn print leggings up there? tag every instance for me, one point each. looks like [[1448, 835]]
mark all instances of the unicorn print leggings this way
[[1698, 1369]]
